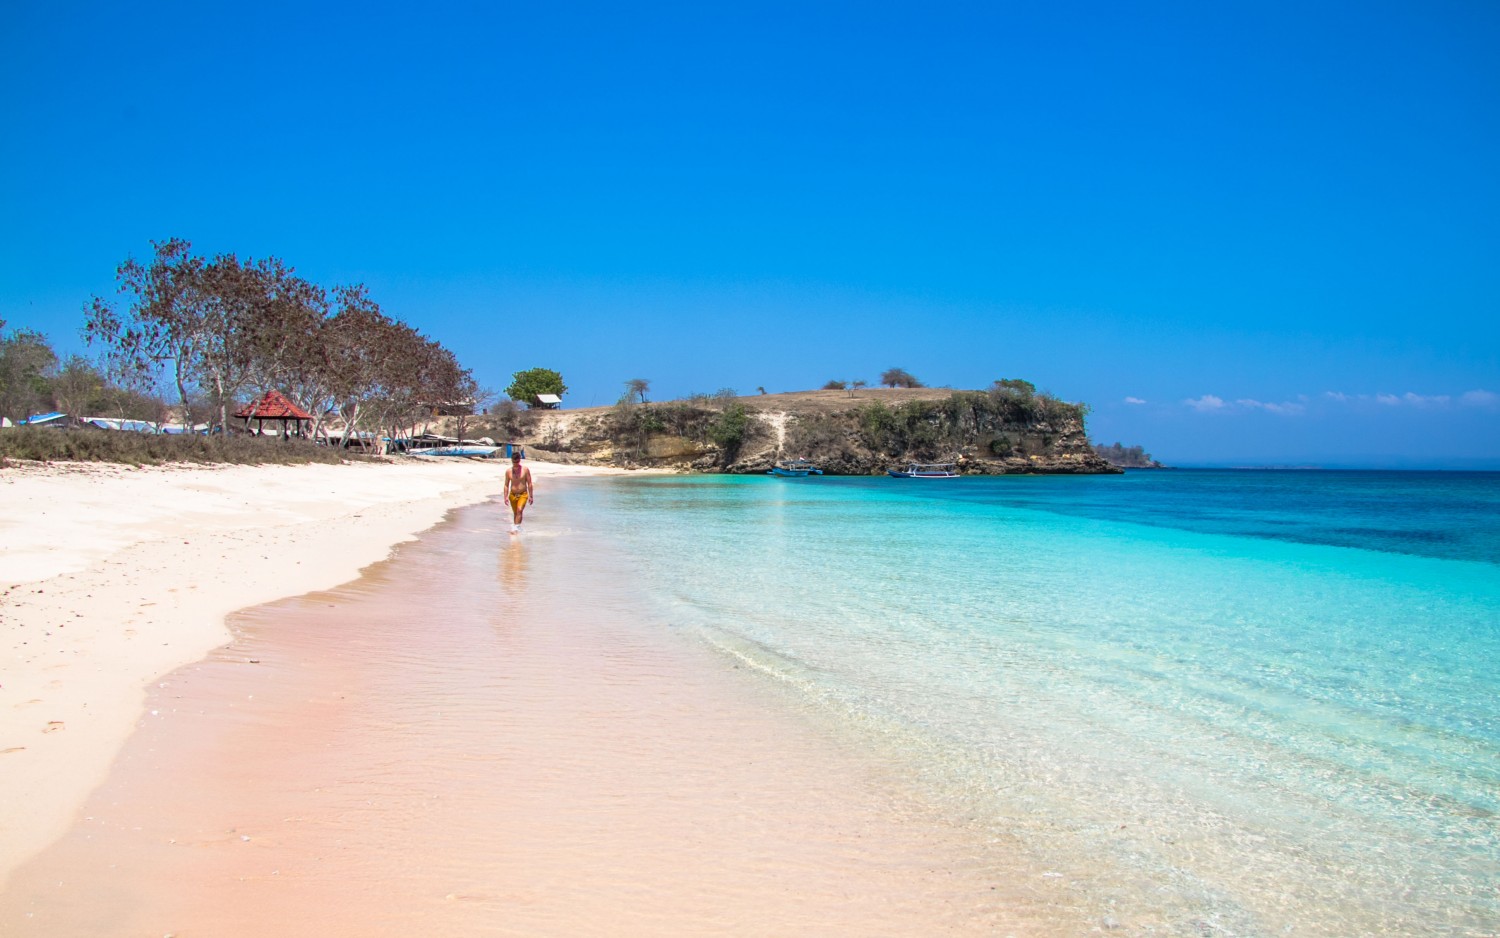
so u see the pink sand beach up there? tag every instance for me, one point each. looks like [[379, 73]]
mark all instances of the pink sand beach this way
[[466, 733]]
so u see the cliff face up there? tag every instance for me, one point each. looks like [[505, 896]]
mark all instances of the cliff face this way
[[860, 433]]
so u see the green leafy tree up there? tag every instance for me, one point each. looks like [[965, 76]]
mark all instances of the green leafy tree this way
[[729, 430], [27, 363], [79, 388], [1014, 387], [529, 383]]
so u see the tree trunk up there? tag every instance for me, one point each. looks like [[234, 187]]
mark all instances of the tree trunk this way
[[187, 412]]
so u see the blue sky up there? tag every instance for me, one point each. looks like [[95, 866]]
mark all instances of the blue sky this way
[[1242, 232]]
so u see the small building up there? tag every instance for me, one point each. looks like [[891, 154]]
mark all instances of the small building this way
[[275, 406]]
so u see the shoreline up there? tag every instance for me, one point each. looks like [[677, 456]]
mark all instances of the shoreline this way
[[483, 729], [112, 577]]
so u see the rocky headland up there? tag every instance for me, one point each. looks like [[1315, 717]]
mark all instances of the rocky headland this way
[[860, 432]]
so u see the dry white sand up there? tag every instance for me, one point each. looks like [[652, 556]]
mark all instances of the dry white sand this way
[[110, 577]]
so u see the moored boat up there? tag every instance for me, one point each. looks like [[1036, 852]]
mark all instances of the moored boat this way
[[926, 470], [430, 444], [794, 468], [464, 450]]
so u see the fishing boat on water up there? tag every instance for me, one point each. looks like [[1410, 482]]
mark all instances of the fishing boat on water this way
[[794, 468], [927, 470]]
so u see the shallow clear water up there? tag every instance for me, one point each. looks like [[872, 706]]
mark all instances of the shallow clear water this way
[[1235, 703]]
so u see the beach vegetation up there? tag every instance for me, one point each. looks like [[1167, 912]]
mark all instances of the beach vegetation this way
[[636, 389], [27, 366], [510, 420], [43, 444], [1126, 457], [934, 429], [899, 378], [631, 427], [526, 385], [729, 430], [1013, 387], [78, 386], [220, 331], [818, 433]]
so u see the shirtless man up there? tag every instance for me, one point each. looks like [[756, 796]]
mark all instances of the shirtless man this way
[[519, 489]]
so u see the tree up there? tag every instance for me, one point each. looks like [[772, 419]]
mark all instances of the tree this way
[[287, 336], [635, 389], [529, 383], [729, 430], [899, 378], [26, 366], [343, 372], [836, 385], [1014, 387], [230, 299], [163, 326], [79, 388]]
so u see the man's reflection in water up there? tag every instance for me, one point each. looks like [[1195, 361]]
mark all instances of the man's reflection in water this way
[[513, 561]]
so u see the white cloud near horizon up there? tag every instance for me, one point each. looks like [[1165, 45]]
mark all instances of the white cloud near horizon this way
[[1134, 400], [1212, 404], [1285, 409], [1480, 398]]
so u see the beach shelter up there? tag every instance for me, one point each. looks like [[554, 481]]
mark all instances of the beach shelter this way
[[273, 405]]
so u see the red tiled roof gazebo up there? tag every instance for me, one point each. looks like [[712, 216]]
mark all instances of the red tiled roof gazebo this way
[[273, 405]]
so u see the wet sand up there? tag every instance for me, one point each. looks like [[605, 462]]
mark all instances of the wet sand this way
[[114, 576], [489, 735]]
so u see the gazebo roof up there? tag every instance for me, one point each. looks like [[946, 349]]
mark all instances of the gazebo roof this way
[[273, 405]]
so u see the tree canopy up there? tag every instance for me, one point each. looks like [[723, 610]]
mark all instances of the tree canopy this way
[[223, 329], [1016, 387], [526, 385], [27, 364], [899, 378]]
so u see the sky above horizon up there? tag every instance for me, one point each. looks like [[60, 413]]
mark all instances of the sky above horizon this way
[[1243, 233]]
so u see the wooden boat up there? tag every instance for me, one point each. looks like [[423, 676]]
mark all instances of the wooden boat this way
[[466, 449], [927, 470], [794, 468], [430, 444]]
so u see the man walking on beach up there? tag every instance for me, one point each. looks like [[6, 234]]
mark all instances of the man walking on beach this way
[[519, 489]]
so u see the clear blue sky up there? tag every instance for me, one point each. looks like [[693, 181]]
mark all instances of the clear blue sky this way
[[1276, 225]]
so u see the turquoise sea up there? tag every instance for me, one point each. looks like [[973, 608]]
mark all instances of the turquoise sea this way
[[1202, 702]]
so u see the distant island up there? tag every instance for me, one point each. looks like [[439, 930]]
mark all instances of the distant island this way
[[1126, 457]]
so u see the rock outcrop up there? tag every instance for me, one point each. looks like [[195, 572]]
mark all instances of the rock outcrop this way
[[863, 432]]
